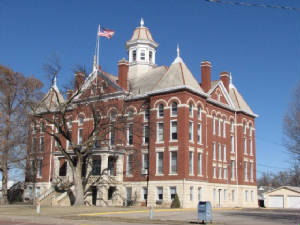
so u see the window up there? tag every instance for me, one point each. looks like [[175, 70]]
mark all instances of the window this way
[[68, 142], [41, 144], [214, 125], [130, 134], [220, 152], [144, 193], [214, 172], [214, 151], [199, 194], [219, 127], [110, 192], [199, 163], [250, 130], [146, 134], [191, 131], [172, 193], [38, 192], [42, 127], [33, 145], [232, 143], [134, 55], [80, 120], [145, 165], [199, 113], [129, 165], [225, 194], [130, 115], [199, 133], [224, 153], [150, 56], [191, 110], [173, 165], [232, 195], [191, 163], [173, 130], [112, 136], [62, 168], [244, 128], [128, 193], [142, 57], [251, 147], [147, 114], [225, 173], [251, 171], [111, 165], [159, 162], [160, 132], [231, 126], [161, 110], [224, 128], [232, 169], [245, 146], [159, 191], [39, 168], [80, 131], [69, 124], [96, 166], [191, 193], [246, 196], [245, 171], [220, 172], [252, 196], [113, 115], [174, 109]]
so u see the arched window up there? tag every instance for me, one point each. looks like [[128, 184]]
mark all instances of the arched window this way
[[130, 115], [199, 113], [161, 110], [113, 116], [134, 55], [244, 128], [191, 109], [174, 109]]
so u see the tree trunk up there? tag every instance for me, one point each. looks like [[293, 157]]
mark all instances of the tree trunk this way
[[4, 179], [78, 192]]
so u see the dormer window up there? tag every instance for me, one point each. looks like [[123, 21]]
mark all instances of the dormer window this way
[[142, 57], [150, 56], [134, 55]]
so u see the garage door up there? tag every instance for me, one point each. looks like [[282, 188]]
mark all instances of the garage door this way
[[276, 201], [293, 202]]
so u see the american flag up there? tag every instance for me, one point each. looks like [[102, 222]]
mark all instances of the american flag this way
[[106, 33]]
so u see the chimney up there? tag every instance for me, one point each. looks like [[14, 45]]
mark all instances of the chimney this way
[[123, 74], [79, 80], [224, 76], [206, 75]]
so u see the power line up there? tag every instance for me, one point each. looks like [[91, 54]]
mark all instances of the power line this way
[[253, 4], [264, 165]]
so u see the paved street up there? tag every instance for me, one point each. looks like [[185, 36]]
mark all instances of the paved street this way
[[112, 215]]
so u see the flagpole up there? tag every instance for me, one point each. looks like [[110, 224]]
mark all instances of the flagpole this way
[[98, 46]]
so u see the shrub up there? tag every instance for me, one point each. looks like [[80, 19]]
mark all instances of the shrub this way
[[175, 202]]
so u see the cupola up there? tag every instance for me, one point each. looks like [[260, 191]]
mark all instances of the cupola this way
[[141, 50]]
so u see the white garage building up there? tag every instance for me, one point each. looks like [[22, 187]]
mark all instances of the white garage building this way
[[283, 197]]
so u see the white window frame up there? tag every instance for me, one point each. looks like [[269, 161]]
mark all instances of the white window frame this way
[[171, 163], [250, 130], [214, 172], [232, 169], [199, 193], [219, 127], [232, 143], [158, 190], [214, 125], [191, 163], [159, 114], [199, 133], [160, 140], [191, 131], [173, 113], [191, 193], [199, 159], [245, 145], [251, 171], [129, 164], [191, 110], [172, 189], [171, 130], [199, 113], [145, 170], [220, 172], [214, 151], [80, 137], [130, 133], [251, 146], [146, 134], [224, 128], [220, 152], [224, 153], [157, 163], [225, 173], [245, 170]]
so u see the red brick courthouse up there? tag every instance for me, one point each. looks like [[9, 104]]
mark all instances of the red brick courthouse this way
[[197, 137]]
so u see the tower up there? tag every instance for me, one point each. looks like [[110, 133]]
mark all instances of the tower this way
[[141, 50]]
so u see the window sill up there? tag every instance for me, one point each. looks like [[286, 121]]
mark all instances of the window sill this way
[[159, 174], [127, 175], [173, 174], [174, 140]]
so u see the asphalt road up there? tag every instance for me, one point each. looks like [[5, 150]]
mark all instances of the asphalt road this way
[[114, 216]]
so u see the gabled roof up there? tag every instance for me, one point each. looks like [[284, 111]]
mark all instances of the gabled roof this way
[[51, 100], [177, 75], [239, 102], [219, 83], [145, 83], [291, 188]]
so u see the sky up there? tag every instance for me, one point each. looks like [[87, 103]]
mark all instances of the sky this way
[[259, 46]]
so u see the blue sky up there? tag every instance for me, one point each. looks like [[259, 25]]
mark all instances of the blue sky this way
[[259, 46]]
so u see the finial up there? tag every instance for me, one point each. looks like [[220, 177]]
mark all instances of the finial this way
[[178, 50], [230, 78], [54, 81], [142, 22]]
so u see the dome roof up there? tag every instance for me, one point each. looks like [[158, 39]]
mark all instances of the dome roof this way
[[141, 34]]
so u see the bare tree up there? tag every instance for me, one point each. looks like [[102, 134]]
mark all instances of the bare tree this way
[[291, 126], [90, 100], [17, 95]]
